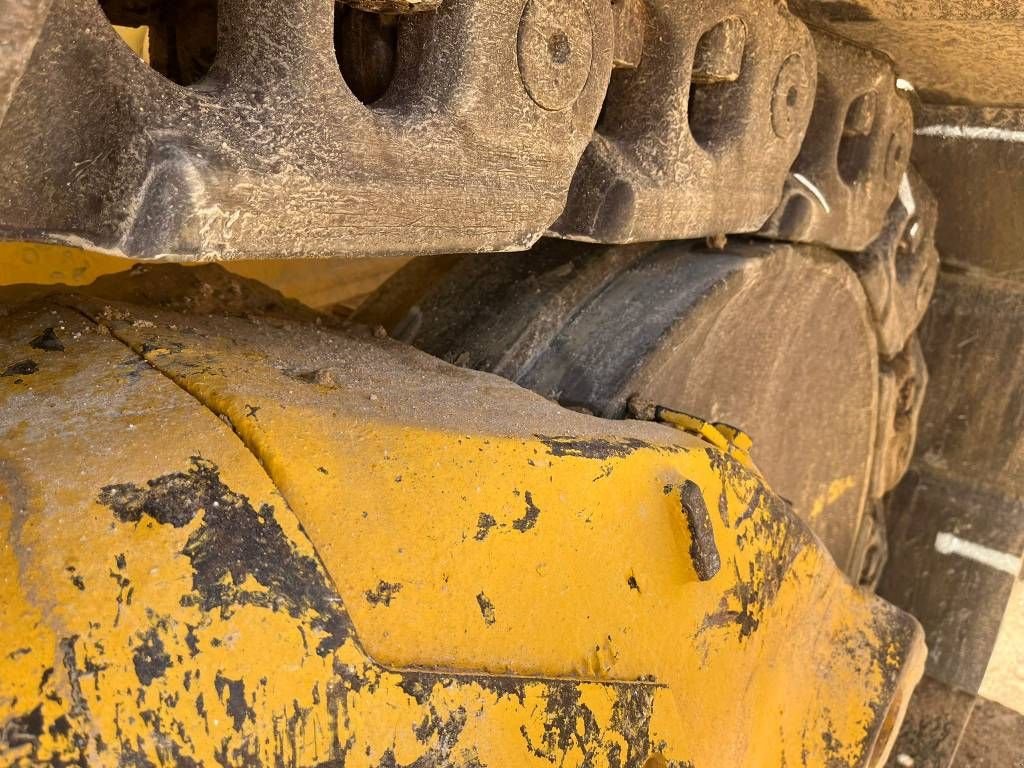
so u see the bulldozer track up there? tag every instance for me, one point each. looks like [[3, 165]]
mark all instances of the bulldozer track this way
[[719, 178], [304, 127], [314, 129]]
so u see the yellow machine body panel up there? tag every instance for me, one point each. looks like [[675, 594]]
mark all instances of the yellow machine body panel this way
[[254, 542]]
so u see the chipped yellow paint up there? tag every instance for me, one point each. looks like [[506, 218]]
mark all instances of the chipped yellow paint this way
[[26, 642], [832, 494], [437, 519]]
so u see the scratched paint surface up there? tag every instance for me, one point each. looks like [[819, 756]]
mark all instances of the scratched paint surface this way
[[275, 589]]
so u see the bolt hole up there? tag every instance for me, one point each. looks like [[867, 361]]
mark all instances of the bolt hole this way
[[366, 47], [716, 103], [177, 38], [795, 216], [896, 155], [559, 47], [853, 157], [656, 761], [790, 102]]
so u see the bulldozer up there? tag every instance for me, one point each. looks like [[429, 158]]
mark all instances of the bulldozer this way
[[511, 383]]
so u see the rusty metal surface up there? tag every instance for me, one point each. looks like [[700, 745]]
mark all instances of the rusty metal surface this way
[[972, 424], [394, 6], [690, 328], [960, 600], [269, 637], [855, 152], [472, 147], [947, 728], [717, 103]]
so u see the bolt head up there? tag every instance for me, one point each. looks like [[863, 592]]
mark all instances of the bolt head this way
[[555, 51], [791, 96], [897, 153]]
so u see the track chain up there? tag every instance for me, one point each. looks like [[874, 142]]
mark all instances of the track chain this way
[[323, 130]]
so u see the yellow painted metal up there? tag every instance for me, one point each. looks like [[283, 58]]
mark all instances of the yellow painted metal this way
[[240, 541], [320, 283], [729, 439], [38, 263], [136, 38], [736, 436]]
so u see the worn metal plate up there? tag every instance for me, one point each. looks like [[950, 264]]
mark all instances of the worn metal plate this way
[[972, 422], [854, 154], [937, 521], [729, 336], [275, 588], [696, 137], [967, 476], [971, 159], [22, 25], [951, 51], [271, 154], [899, 268], [902, 385]]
